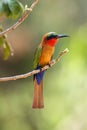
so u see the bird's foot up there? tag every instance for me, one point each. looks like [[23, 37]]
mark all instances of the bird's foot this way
[[41, 69], [49, 64]]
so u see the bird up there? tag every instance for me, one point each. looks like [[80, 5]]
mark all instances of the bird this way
[[43, 56]]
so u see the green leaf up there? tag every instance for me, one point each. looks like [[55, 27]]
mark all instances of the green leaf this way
[[7, 50], [16, 8], [1, 41], [7, 10], [6, 46], [11, 8], [1, 8]]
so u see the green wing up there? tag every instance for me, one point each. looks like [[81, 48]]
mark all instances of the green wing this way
[[37, 56]]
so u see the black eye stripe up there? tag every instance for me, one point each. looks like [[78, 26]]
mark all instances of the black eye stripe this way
[[52, 36]]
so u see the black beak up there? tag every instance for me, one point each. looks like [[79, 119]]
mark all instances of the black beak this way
[[63, 35]]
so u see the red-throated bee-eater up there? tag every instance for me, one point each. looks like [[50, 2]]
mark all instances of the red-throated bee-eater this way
[[43, 57]]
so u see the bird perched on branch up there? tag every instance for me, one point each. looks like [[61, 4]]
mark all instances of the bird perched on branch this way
[[43, 56]]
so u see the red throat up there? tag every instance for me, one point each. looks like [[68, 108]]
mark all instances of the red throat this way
[[52, 42]]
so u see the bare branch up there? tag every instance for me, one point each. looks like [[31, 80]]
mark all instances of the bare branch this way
[[35, 71], [21, 20]]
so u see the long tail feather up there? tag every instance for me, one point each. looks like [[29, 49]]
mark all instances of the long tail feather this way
[[38, 100]]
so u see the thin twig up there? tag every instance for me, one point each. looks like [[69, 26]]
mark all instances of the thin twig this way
[[21, 20], [4, 79]]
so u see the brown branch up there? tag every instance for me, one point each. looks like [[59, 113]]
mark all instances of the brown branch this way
[[21, 20], [35, 71]]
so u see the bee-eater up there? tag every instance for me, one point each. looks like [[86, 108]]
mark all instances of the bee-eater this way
[[43, 56]]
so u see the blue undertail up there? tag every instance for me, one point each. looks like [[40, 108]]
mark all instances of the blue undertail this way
[[39, 76]]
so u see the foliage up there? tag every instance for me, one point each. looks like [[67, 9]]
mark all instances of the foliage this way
[[11, 8], [6, 46]]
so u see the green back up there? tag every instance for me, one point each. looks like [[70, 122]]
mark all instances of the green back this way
[[37, 56]]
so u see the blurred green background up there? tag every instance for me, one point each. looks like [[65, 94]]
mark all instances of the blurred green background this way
[[65, 84]]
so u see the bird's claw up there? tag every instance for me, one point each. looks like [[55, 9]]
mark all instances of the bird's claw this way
[[41, 69], [49, 65]]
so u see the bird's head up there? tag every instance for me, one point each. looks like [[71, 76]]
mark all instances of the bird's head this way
[[52, 38]]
